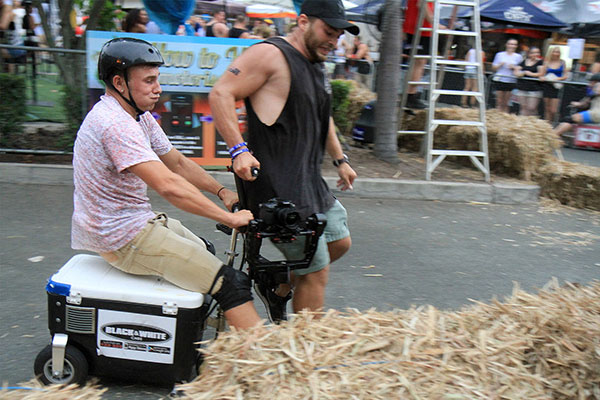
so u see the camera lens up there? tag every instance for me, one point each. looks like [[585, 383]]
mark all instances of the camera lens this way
[[288, 218]]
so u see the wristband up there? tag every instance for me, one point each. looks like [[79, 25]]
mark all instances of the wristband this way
[[237, 146], [219, 192], [237, 153]]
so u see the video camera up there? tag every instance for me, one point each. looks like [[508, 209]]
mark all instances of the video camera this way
[[281, 223]]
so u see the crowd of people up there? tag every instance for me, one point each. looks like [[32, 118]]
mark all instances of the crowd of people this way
[[13, 19], [537, 78], [533, 76], [352, 60], [205, 25]]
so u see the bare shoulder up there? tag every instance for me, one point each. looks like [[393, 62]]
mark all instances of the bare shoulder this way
[[263, 52]]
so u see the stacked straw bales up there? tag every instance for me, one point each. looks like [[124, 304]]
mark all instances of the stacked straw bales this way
[[544, 346], [520, 147], [572, 184]]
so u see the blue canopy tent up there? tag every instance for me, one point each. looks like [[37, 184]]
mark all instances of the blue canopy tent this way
[[366, 12], [516, 14]]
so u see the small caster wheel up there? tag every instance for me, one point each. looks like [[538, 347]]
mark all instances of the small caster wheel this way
[[75, 368]]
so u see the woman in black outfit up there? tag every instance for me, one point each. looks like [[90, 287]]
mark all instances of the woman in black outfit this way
[[530, 90]]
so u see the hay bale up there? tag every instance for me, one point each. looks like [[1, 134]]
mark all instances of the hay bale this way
[[531, 346], [35, 391], [575, 185], [518, 146]]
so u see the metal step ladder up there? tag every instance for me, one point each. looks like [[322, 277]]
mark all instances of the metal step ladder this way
[[437, 63]]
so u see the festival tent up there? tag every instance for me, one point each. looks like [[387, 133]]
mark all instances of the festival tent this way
[[269, 11], [515, 14], [583, 15], [366, 12], [210, 6], [571, 11]]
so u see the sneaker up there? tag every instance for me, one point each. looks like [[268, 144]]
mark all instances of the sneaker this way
[[276, 305], [413, 101]]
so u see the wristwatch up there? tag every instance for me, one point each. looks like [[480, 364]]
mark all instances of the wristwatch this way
[[342, 160]]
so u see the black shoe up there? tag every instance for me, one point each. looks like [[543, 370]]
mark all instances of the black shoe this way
[[413, 101], [276, 305]]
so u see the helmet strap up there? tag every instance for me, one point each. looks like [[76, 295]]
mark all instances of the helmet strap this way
[[130, 101]]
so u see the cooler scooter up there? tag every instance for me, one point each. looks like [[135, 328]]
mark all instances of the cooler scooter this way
[[105, 322], [585, 136]]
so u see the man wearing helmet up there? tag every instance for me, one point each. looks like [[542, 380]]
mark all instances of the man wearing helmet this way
[[590, 104], [119, 151]]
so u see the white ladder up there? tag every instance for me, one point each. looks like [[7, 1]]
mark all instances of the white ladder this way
[[435, 91]]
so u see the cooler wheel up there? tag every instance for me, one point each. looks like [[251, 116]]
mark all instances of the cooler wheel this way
[[75, 368]]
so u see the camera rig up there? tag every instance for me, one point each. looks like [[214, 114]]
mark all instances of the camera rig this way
[[279, 222]]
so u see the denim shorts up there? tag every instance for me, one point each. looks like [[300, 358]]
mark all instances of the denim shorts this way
[[336, 229]]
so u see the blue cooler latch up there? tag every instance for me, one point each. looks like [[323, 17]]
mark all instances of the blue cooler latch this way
[[62, 289]]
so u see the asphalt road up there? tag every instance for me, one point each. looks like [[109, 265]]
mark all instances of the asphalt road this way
[[582, 156], [404, 253]]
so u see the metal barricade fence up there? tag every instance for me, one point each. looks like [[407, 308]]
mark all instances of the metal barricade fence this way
[[45, 78], [570, 90]]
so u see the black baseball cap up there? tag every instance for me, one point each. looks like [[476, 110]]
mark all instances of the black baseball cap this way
[[331, 12]]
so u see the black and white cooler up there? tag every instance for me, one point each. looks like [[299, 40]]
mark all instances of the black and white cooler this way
[[124, 326]]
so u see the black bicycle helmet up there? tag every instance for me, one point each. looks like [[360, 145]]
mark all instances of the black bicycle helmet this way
[[121, 53]]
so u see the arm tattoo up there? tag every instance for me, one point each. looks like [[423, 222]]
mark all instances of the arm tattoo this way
[[234, 70]]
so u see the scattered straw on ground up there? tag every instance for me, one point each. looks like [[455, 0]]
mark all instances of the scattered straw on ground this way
[[33, 390], [544, 346]]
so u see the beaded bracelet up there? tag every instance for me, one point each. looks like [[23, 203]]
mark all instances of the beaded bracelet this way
[[237, 146], [237, 153]]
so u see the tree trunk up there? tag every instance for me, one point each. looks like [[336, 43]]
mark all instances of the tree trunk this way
[[388, 81], [71, 66]]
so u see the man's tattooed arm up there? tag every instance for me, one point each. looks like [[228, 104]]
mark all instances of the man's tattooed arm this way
[[234, 70]]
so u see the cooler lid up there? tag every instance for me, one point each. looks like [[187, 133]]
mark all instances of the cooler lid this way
[[92, 277]]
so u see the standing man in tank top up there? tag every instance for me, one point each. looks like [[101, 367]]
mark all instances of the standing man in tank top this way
[[217, 27], [288, 103]]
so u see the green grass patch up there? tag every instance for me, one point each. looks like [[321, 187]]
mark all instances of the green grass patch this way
[[49, 94]]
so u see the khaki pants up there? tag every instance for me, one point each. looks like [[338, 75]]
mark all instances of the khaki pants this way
[[168, 249]]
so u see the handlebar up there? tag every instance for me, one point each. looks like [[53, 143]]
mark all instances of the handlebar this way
[[224, 228], [254, 171]]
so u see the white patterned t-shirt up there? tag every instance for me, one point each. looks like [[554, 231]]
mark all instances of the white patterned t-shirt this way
[[111, 204]]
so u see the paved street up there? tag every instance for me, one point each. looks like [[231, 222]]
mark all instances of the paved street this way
[[585, 157], [405, 252]]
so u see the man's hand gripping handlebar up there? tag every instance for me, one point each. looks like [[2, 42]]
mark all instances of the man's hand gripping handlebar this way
[[246, 166], [241, 217]]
